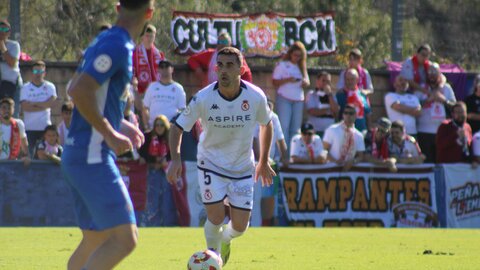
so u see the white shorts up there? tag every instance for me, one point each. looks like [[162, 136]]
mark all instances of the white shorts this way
[[215, 188]]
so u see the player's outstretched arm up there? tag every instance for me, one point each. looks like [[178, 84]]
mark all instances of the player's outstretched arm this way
[[82, 90], [174, 141], [263, 168]]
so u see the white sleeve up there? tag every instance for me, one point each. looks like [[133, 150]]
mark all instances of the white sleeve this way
[[278, 72], [476, 145], [328, 137], [21, 128], [449, 94], [23, 92], [146, 97], [390, 99], [341, 80], [189, 116], [359, 143], [182, 98], [295, 146], [264, 115], [52, 89], [277, 128]]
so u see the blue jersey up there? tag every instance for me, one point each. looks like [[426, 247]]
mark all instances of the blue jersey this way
[[108, 59]]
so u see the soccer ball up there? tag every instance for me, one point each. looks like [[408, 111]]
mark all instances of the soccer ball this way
[[205, 260]]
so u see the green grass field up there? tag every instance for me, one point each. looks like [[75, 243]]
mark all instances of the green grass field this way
[[261, 248]]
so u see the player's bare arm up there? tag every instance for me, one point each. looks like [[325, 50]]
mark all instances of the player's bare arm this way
[[174, 142], [263, 168], [82, 90]]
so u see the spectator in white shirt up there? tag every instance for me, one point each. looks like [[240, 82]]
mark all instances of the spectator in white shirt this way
[[307, 148], [165, 97], [37, 98], [343, 141], [403, 106]]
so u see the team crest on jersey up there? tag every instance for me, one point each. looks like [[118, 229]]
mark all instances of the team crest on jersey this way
[[208, 194], [102, 63], [245, 105]]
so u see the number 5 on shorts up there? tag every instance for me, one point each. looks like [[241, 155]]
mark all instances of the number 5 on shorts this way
[[208, 178]]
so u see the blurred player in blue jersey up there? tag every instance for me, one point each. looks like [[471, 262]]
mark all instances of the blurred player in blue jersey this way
[[97, 134]]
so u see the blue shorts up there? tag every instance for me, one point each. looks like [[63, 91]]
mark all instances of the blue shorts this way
[[101, 198]]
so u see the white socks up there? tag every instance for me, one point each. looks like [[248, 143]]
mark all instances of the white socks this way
[[229, 233], [213, 235]]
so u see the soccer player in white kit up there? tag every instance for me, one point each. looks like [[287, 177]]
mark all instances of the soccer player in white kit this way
[[228, 111]]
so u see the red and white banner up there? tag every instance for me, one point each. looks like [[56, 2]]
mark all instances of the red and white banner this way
[[264, 34], [462, 195], [324, 196]]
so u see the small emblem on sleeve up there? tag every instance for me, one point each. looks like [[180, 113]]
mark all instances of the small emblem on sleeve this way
[[102, 63], [245, 105], [187, 110]]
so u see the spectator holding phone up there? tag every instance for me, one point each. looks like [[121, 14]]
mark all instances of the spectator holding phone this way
[[290, 77]]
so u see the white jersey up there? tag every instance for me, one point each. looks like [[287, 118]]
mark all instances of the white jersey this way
[[433, 113], [476, 144], [334, 136], [277, 136], [406, 99], [32, 93], [299, 149], [5, 136], [164, 99], [225, 146]]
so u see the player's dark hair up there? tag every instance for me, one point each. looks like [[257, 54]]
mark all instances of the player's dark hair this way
[[67, 106], [39, 63], [232, 51], [350, 106], [134, 4], [322, 73]]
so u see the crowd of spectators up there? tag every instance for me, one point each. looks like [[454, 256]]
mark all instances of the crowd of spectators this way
[[424, 123]]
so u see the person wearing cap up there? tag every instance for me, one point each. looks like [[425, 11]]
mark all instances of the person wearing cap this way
[[9, 69], [473, 105], [165, 97], [415, 68], [376, 145], [344, 143], [403, 106], [355, 61], [402, 147], [203, 63], [434, 101], [36, 99], [146, 58], [307, 148], [321, 104]]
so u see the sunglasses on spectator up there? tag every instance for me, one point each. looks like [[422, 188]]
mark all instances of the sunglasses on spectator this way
[[38, 71], [308, 133], [222, 42], [4, 29], [349, 113], [384, 131]]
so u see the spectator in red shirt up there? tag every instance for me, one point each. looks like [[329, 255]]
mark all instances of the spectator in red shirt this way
[[454, 137], [204, 63], [146, 58]]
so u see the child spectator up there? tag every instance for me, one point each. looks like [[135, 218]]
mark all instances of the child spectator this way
[[49, 148]]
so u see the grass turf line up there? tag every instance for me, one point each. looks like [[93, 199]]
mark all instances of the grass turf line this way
[[261, 248]]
